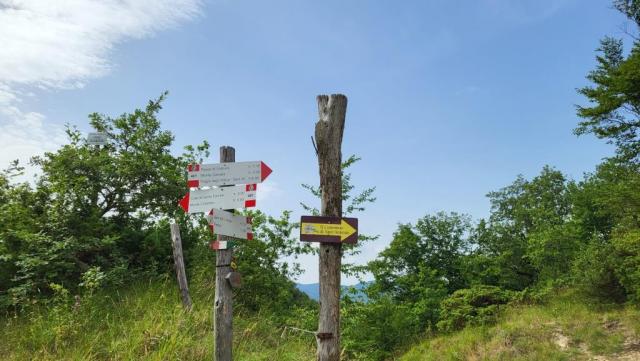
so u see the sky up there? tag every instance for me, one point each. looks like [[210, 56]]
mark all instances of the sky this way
[[448, 99]]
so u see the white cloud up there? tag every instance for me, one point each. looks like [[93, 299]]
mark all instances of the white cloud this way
[[62, 44]]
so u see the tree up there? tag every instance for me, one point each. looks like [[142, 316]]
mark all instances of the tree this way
[[528, 235], [423, 264], [94, 207], [614, 113]]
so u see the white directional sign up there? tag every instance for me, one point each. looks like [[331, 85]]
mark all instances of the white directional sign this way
[[204, 200], [97, 139], [228, 224], [209, 175]]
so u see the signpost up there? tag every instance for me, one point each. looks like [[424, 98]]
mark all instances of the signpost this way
[[328, 229], [208, 175], [228, 224], [232, 185], [203, 200], [97, 139]]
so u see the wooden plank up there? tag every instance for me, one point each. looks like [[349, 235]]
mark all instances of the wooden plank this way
[[178, 261]]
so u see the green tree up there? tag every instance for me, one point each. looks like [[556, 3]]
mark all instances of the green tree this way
[[91, 206], [423, 264], [614, 112], [528, 235]]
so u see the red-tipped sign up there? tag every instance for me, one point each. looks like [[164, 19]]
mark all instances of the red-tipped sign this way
[[221, 174], [264, 171], [204, 200]]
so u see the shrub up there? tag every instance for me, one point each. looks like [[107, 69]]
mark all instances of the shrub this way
[[627, 267], [472, 306]]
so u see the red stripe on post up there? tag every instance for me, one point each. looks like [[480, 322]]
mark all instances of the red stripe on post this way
[[193, 183], [197, 167], [249, 236], [250, 203], [251, 187]]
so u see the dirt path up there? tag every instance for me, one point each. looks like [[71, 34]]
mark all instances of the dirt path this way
[[630, 349]]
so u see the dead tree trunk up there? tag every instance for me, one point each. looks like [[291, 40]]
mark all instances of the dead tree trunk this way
[[329, 129], [178, 261], [223, 308]]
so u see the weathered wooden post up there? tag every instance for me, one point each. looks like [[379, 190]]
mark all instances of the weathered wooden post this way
[[329, 129], [223, 307], [178, 260]]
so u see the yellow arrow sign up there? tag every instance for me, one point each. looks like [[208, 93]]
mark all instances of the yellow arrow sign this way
[[344, 229]]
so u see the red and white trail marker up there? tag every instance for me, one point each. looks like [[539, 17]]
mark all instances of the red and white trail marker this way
[[228, 224], [217, 245], [204, 200], [220, 174]]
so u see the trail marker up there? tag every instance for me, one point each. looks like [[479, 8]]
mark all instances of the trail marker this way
[[209, 175], [204, 200], [97, 139], [228, 224], [328, 229]]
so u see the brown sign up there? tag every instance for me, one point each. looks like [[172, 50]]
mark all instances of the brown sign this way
[[328, 229]]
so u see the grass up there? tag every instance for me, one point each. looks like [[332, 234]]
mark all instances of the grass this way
[[568, 327], [145, 322]]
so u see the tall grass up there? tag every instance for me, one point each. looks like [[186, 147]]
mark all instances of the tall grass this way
[[143, 322]]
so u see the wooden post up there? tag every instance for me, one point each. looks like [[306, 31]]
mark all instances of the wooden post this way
[[223, 307], [178, 261], [329, 128]]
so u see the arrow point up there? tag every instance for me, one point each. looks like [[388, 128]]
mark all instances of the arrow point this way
[[349, 228], [184, 203], [264, 171]]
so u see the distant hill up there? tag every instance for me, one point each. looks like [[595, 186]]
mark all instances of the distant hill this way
[[313, 290]]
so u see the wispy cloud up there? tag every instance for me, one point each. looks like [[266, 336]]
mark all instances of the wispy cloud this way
[[63, 44]]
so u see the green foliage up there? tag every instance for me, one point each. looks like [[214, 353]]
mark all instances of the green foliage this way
[[267, 284], [374, 330], [351, 203], [626, 248], [528, 236], [422, 265], [93, 208], [614, 113], [472, 306]]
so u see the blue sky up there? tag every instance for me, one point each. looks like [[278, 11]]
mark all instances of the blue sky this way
[[448, 100]]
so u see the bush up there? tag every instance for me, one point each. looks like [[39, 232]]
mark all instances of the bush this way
[[472, 306], [594, 271], [627, 268], [372, 331]]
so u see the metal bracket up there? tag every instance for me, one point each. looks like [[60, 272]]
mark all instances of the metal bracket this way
[[324, 335]]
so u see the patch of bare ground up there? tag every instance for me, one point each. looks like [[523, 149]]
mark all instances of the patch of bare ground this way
[[630, 348]]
